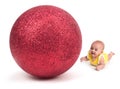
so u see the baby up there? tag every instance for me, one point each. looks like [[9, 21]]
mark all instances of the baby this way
[[96, 55]]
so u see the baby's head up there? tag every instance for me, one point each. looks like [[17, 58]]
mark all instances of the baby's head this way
[[97, 47]]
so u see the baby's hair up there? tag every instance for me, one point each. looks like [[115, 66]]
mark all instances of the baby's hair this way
[[100, 42]]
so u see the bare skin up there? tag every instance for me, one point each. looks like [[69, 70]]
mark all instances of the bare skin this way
[[96, 49]]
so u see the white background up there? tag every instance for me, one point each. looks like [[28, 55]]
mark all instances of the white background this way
[[98, 20]]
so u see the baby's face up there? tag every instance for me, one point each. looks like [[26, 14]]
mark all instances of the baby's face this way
[[96, 49]]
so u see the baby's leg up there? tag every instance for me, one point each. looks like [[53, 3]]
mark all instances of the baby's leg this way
[[100, 67], [110, 55]]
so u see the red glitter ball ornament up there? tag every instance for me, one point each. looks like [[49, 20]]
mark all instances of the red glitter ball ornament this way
[[45, 41]]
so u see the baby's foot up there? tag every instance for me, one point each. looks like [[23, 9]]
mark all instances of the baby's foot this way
[[111, 53]]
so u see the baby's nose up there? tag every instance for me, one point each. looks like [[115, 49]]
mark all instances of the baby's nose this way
[[93, 51]]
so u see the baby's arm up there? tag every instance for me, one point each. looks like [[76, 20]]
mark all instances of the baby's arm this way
[[101, 64], [84, 59]]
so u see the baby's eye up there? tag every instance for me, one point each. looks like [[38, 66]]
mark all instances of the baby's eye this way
[[96, 49], [91, 48]]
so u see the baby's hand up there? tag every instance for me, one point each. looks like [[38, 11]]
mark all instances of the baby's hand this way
[[83, 59]]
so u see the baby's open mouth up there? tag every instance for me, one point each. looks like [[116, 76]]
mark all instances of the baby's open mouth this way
[[92, 53]]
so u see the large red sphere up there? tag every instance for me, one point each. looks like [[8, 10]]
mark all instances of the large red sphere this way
[[45, 41]]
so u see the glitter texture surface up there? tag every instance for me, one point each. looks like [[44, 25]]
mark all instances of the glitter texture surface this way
[[45, 41]]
